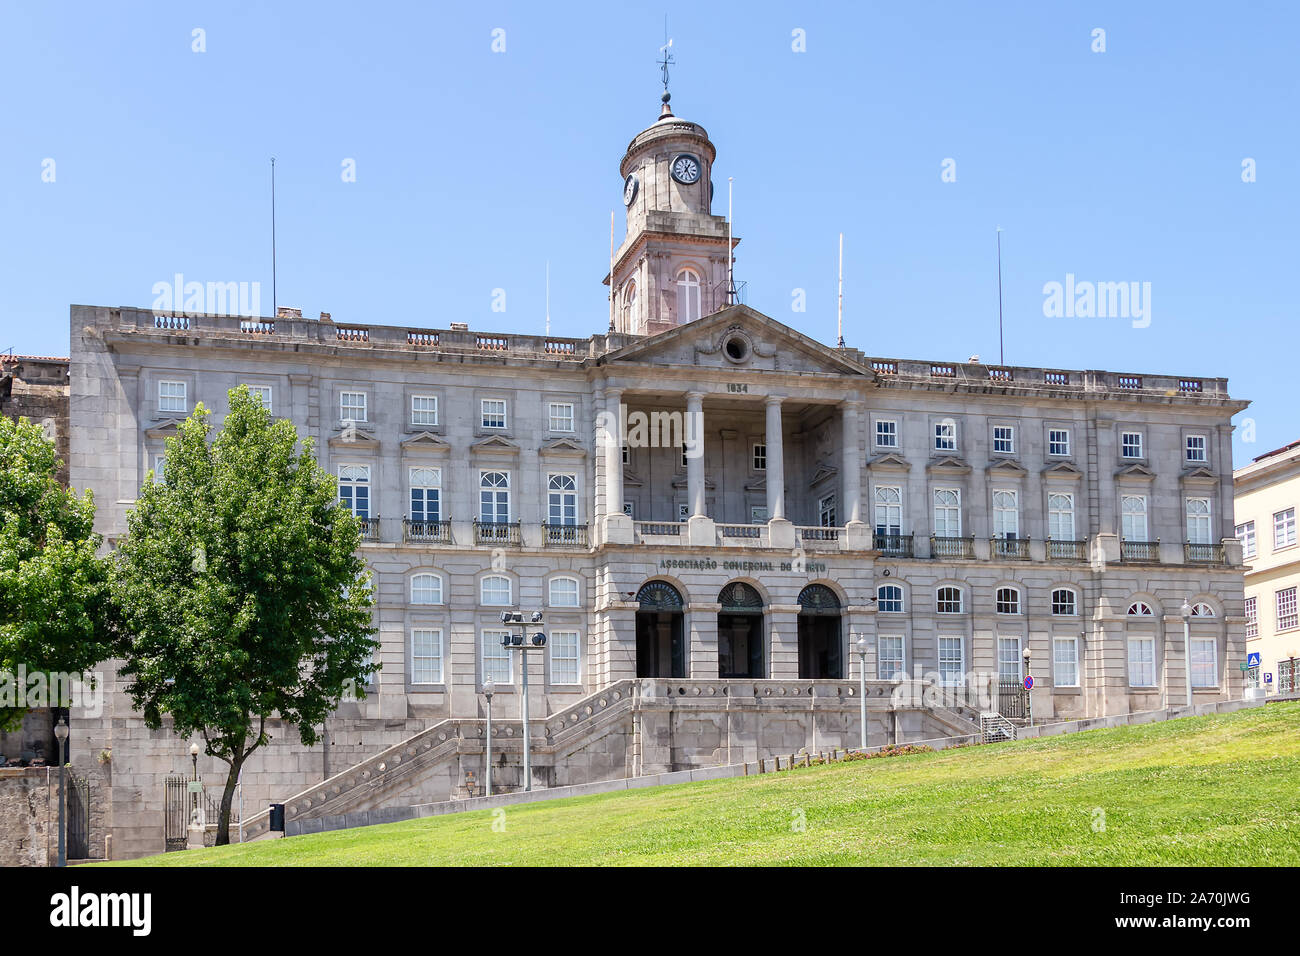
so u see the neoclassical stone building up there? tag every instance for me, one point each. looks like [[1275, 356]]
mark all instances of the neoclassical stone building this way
[[703, 501]]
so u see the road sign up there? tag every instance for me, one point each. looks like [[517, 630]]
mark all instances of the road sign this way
[[1029, 683], [1244, 667], [1252, 659], [1268, 678]]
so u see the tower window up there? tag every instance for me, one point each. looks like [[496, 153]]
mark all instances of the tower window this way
[[688, 296]]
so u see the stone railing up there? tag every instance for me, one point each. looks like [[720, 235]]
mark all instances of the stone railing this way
[[659, 529]]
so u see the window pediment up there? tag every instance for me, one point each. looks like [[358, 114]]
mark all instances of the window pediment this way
[[1062, 469], [563, 448], [823, 472], [1135, 472], [494, 445], [889, 461], [350, 436], [1200, 477], [948, 465], [1006, 468], [426, 442], [165, 428]]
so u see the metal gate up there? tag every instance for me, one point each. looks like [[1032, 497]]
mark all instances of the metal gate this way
[[1011, 698], [176, 813], [78, 810]]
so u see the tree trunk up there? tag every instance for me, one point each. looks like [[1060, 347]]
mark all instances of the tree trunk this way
[[227, 797]]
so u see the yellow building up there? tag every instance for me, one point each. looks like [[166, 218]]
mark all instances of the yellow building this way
[[1267, 496]]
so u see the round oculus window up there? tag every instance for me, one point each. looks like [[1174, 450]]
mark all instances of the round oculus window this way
[[736, 348]]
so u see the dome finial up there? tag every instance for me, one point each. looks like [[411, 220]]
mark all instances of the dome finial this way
[[667, 52]]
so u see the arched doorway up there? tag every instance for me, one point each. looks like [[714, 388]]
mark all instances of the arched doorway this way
[[740, 632], [820, 652], [660, 645]]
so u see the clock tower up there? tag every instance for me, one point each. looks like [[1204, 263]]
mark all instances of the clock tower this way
[[672, 266]]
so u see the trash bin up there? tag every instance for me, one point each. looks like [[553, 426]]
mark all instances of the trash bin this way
[[277, 818]]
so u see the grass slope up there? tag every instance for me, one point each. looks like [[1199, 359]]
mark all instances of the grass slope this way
[[1218, 789]]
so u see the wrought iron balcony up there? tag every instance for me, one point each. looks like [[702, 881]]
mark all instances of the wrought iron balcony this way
[[1009, 549], [500, 533], [1140, 552], [1202, 553], [1067, 550], [893, 545], [432, 532], [944, 547], [564, 535], [369, 528]]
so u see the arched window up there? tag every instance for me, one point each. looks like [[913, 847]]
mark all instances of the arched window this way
[[494, 497], [1139, 609], [688, 296], [659, 596], [889, 598], [629, 306], [1065, 602], [817, 599], [495, 591], [1202, 610], [1007, 601], [948, 600], [739, 596], [426, 589], [564, 592]]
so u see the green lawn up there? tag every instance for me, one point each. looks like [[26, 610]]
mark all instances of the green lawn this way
[[1222, 789]]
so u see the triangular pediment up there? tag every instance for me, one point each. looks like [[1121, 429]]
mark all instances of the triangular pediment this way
[[350, 436], [494, 445], [823, 472], [757, 484], [1200, 476], [631, 479], [1062, 469], [563, 448], [1135, 472], [426, 442], [165, 429], [764, 344], [680, 482], [890, 461], [1005, 468], [948, 465]]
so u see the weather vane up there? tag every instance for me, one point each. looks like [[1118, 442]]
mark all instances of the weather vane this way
[[667, 51]]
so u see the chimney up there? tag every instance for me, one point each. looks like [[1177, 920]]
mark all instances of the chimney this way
[[284, 312], [325, 317]]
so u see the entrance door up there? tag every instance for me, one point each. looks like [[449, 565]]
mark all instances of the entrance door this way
[[820, 648], [740, 632], [660, 634]]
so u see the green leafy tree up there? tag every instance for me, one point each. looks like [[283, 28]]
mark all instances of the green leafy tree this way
[[240, 588], [55, 616]]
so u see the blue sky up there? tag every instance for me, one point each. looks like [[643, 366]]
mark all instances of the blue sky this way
[[475, 168]]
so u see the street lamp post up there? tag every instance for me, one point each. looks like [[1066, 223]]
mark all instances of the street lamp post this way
[[194, 758], [521, 643], [1029, 693], [489, 688], [1187, 649], [61, 734], [861, 646]]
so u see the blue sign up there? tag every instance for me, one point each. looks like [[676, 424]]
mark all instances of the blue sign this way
[[1268, 678], [1029, 683], [1252, 659]]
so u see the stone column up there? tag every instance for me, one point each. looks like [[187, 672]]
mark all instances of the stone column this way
[[701, 631], [618, 526], [780, 530], [857, 535], [700, 527], [783, 637]]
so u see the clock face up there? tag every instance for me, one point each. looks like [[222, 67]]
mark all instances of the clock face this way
[[630, 186], [686, 169]]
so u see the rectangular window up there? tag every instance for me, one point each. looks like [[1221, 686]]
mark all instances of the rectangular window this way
[[354, 489], [1131, 444], [1198, 520], [160, 469], [262, 392], [493, 412], [172, 397], [886, 433], [1284, 529], [561, 500], [1246, 535], [1009, 659], [426, 656], [1205, 662], [1004, 439], [1060, 517], [952, 665], [1058, 441], [1286, 609], [496, 659], [352, 406], [424, 409], [889, 509], [1252, 618], [1196, 448], [426, 494], [1133, 517], [945, 436], [826, 512], [947, 513], [758, 515], [494, 497], [1142, 662], [1065, 661], [889, 657], [561, 415], [760, 458], [564, 657]]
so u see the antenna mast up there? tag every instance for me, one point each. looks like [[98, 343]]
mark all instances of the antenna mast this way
[[548, 296], [275, 311], [1002, 355], [611, 270], [839, 312], [731, 284]]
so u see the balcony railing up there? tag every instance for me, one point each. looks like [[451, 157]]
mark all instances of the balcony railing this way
[[893, 545], [1009, 549], [1202, 553], [818, 533], [752, 532], [369, 528], [1067, 550], [658, 529], [497, 532], [564, 535], [1140, 552], [943, 547], [432, 532]]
